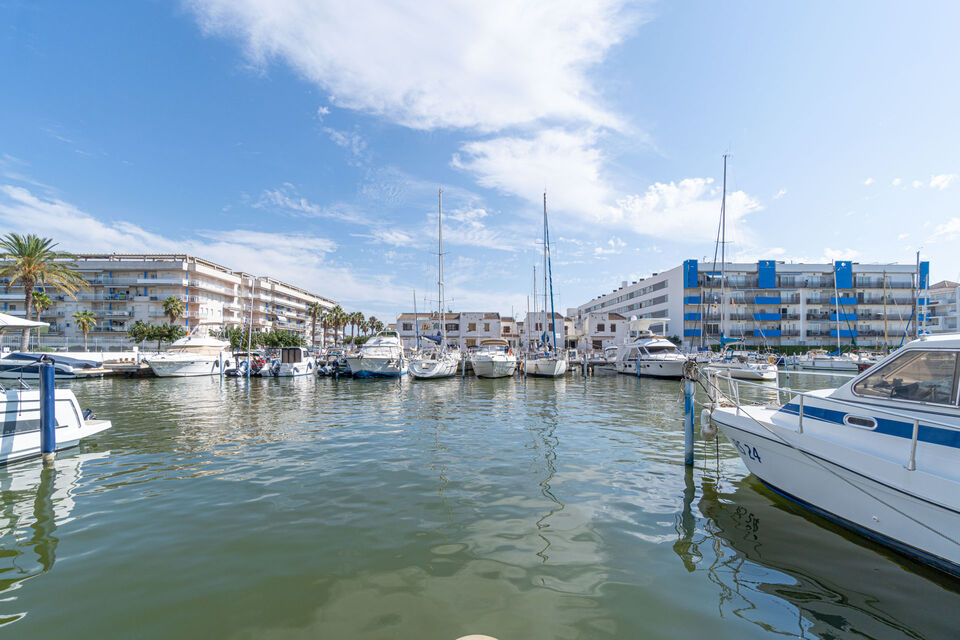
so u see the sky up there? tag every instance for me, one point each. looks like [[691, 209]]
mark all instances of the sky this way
[[307, 140]]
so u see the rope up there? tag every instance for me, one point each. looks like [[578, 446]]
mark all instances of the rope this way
[[824, 467]]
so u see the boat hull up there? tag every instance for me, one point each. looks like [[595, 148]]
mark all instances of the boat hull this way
[[424, 369], [185, 368], [374, 367], [21, 436], [546, 367], [842, 494], [490, 368], [305, 367], [757, 373], [672, 369]]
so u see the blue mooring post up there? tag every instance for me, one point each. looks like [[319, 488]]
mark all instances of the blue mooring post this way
[[48, 416], [688, 389]]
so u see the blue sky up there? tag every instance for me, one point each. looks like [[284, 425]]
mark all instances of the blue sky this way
[[307, 140]]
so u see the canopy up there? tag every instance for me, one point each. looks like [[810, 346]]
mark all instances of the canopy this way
[[13, 322]]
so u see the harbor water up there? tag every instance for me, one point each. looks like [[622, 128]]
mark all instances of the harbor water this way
[[324, 508]]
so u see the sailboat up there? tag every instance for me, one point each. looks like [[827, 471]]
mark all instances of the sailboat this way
[[438, 361], [733, 364], [551, 361]]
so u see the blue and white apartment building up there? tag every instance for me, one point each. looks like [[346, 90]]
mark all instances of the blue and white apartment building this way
[[776, 303]]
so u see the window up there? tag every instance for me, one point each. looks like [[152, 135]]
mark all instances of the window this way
[[613, 327], [600, 326], [407, 326], [923, 376], [486, 326], [472, 326]]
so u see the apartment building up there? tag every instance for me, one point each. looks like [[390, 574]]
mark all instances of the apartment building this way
[[465, 329], [776, 303], [124, 288], [596, 330], [540, 326], [944, 308]]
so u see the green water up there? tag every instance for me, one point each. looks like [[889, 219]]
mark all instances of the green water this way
[[303, 508]]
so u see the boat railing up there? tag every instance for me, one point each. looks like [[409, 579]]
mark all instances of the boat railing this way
[[734, 387]]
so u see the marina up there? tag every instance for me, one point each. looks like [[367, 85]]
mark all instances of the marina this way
[[388, 508]]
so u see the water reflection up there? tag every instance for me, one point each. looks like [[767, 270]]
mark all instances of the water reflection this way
[[834, 583], [36, 500]]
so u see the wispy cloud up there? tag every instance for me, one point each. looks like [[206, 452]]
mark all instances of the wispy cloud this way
[[943, 180], [896, 182], [613, 246], [287, 201], [779, 194], [868, 181], [349, 140]]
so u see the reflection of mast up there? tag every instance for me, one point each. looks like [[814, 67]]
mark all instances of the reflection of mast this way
[[550, 456]]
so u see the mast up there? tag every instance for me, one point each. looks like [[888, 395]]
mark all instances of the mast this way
[[443, 324], [916, 301], [884, 312], [836, 300], [535, 297], [549, 274], [723, 249], [253, 284], [416, 319]]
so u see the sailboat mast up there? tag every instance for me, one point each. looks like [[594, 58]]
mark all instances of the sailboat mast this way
[[416, 319], [723, 249], [535, 297], [885, 312], [546, 258], [443, 324]]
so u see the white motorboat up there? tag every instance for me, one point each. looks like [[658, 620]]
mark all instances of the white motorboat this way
[[380, 357], [290, 362], [546, 365], [24, 366], [20, 438], [744, 366], [493, 359], [822, 361], [878, 455], [649, 354], [440, 361], [197, 354]]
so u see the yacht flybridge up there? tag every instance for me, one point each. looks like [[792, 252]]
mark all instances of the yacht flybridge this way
[[197, 354], [879, 455]]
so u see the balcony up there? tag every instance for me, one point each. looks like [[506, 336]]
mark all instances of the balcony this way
[[163, 280]]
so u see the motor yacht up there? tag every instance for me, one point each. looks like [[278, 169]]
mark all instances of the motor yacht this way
[[649, 354], [197, 354], [290, 362], [744, 365], [493, 359], [380, 357], [878, 455]]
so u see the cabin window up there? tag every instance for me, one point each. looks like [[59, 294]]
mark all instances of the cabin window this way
[[661, 349], [922, 376]]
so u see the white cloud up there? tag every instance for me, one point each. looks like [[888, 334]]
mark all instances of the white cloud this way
[[321, 112], [917, 184], [868, 181], [896, 182], [614, 246], [351, 141], [947, 232], [286, 200], [830, 255], [779, 194], [485, 65], [394, 237], [567, 164], [295, 258], [689, 209], [943, 180], [903, 236]]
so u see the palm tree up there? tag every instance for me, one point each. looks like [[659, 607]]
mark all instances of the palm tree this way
[[365, 327], [375, 325], [31, 260], [338, 318], [314, 310], [85, 322], [356, 319], [174, 308], [41, 302]]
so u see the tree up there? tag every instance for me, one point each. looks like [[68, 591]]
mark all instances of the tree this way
[[164, 333], [356, 319], [138, 332], [373, 323], [32, 260], [365, 327], [174, 308], [314, 310], [324, 323], [85, 322], [41, 302], [338, 319]]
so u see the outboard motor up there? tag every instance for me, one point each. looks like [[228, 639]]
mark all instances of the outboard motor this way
[[275, 367]]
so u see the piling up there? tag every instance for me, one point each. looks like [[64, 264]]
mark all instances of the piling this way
[[48, 417], [220, 368], [689, 387]]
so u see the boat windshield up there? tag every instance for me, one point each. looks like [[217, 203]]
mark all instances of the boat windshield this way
[[924, 376], [661, 349]]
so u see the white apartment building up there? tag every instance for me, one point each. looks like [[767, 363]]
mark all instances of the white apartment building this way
[[124, 288], [775, 303], [539, 327], [944, 309], [465, 329], [596, 330]]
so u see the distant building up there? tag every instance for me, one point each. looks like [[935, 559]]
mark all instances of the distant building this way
[[597, 330], [774, 303], [124, 288], [944, 308], [465, 329]]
